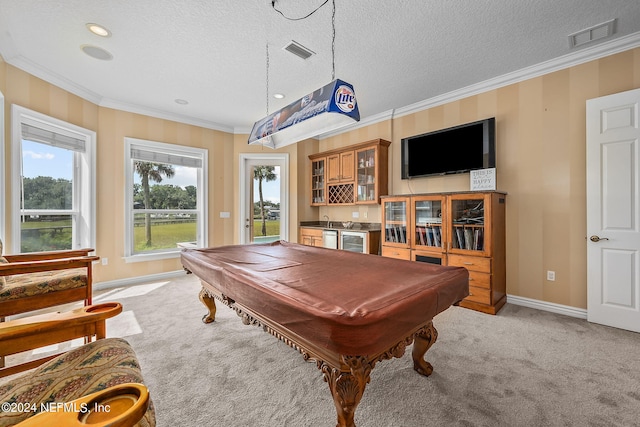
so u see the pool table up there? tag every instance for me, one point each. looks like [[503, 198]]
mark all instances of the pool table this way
[[346, 311]]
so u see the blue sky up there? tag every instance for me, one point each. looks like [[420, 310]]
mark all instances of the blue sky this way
[[44, 160], [270, 190]]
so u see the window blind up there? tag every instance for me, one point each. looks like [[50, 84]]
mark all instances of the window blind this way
[[146, 155], [37, 134]]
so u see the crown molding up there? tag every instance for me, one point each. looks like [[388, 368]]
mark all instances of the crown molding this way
[[601, 50], [151, 112], [47, 75], [572, 59], [368, 121]]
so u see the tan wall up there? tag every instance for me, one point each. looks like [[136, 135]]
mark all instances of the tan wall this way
[[112, 126], [541, 161]]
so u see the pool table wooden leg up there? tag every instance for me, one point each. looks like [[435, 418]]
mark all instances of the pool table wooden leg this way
[[347, 387], [422, 342], [210, 303]]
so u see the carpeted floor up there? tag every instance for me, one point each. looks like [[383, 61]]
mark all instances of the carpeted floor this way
[[522, 367]]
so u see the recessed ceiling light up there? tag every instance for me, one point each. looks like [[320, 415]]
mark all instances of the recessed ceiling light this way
[[96, 52], [278, 95], [98, 30], [181, 101]]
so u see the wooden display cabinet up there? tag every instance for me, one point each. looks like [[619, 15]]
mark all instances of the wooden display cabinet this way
[[354, 174], [459, 229], [476, 227]]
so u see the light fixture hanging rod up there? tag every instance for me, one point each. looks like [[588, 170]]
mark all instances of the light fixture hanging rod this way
[[273, 5]]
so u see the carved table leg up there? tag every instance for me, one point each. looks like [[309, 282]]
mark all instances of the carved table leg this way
[[423, 341], [347, 387], [210, 303]]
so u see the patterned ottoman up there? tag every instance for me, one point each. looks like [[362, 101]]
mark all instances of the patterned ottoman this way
[[79, 372]]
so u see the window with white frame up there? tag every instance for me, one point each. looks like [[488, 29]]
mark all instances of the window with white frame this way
[[53, 183], [166, 199]]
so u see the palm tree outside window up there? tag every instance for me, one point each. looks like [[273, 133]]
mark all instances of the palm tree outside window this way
[[166, 200]]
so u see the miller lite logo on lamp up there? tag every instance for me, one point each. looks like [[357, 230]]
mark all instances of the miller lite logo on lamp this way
[[345, 99]]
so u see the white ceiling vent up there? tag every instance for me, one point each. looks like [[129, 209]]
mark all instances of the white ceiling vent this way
[[592, 34], [298, 50]]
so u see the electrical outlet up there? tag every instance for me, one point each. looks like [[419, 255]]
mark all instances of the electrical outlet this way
[[105, 261], [551, 276], [365, 214]]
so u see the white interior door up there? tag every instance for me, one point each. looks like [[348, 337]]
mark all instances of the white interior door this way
[[613, 210], [264, 201]]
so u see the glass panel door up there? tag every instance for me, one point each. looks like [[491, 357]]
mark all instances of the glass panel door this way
[[353, 241], [318, 182], [395, 222], [428, 223], [467, 224], [366, 175], [266, 204]]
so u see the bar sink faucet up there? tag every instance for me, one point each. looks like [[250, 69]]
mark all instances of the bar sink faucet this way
[[327, 218]]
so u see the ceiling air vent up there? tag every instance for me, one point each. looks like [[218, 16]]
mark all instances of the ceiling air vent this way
[[298, 50], [592, 34]]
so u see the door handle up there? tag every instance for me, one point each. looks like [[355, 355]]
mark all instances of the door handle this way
[[595, 238]]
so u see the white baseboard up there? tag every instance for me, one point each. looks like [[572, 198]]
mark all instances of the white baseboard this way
[[580, 313], [137, 280]]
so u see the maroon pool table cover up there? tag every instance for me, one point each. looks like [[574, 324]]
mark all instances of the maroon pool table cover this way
[[350, 303]]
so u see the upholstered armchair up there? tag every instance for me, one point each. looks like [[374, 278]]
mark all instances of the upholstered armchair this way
[[39, 280], [44, 279], [104, 372]]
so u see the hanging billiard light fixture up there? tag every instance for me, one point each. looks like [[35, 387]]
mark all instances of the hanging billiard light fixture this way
[[323, 110]]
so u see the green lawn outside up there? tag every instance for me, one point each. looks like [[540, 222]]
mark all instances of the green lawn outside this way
[[273, 227], [163, 236], [45, 235]]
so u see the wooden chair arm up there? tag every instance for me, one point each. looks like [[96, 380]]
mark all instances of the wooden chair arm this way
[[41, 256], [27, 333], [13, 268], [118, 406]]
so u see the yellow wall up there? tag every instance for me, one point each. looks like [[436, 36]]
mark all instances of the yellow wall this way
[[540, 163], [112, 126]]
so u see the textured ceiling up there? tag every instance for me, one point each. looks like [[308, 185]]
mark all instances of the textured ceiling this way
[[213, 53]]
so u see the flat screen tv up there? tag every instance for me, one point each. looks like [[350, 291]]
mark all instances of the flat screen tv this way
[[457, 149]]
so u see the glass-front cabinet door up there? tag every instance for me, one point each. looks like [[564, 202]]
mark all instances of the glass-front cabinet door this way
[[366, 169], [428, 231], [318, 187], [395, 222], [468, 227]]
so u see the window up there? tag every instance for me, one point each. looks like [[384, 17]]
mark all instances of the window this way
[[53, 183], [166, 199]]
